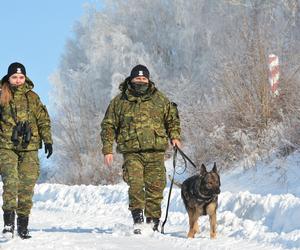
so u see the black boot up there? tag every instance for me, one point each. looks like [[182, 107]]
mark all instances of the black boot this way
[[22, 223], [9, 222], [154, 221], [138, 220]]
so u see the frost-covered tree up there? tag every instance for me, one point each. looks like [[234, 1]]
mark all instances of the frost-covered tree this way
[[208, 56]]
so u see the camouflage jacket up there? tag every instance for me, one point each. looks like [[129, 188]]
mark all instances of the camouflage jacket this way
[[139, 124], [27, 106]]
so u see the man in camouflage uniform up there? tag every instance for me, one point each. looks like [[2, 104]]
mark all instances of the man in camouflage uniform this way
[[24, 124], [141, 119]]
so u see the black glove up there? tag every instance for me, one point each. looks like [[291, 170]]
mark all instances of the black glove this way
[[48, 149]]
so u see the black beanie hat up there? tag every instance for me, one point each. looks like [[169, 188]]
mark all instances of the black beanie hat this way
[[139, 70], [15, 68]]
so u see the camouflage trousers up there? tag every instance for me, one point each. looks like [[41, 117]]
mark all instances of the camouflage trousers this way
[[19, 172], [145, 174]]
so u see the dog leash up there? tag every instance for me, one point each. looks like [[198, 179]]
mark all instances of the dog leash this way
[[185, 158]]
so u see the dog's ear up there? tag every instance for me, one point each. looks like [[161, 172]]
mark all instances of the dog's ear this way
[[203, 170], [215, 168]]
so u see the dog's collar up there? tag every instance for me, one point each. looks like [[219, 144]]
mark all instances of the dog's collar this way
[[204, 198]]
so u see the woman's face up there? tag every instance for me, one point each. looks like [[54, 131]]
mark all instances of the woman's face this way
[[16, 79]]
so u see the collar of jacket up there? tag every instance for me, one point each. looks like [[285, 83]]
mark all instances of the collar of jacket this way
[[130, 97]]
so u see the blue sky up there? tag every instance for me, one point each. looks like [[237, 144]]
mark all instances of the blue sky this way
[[34, 32]]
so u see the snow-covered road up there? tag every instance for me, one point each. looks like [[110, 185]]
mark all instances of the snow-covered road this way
[[256, 211], [96, 217]]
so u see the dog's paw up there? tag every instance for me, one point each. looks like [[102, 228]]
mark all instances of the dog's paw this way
[[213, 236], [191, 235]]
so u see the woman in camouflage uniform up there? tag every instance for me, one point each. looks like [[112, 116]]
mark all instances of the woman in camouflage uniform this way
[[141, 119], [24, 124]]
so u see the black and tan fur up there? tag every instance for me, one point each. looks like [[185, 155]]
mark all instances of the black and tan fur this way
[[200, 197]]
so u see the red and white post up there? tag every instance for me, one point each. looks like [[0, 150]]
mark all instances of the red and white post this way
[[274, 74]]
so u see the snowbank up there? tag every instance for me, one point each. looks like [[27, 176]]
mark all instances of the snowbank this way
[[271, 220], [254, 212]]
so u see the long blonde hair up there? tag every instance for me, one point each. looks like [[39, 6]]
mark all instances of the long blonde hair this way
[[6, 94]]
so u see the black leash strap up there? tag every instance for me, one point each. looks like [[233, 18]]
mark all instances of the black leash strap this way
[[170, 191], [13, 113], [184, 156]]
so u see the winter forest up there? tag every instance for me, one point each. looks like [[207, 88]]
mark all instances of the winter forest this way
[[209, 57], [213, 59]]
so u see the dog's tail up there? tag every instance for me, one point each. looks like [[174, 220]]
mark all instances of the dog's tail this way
[[175, 182]]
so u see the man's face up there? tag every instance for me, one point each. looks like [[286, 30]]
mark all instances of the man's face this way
[[140, 80], [17, 79]]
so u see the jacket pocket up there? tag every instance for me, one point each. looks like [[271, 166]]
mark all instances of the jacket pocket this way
[[127, 141], [161, 139]]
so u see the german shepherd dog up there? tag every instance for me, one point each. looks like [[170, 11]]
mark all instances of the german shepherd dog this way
[[200, 197]]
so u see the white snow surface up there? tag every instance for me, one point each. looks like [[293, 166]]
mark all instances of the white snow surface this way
[[258, 209]]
